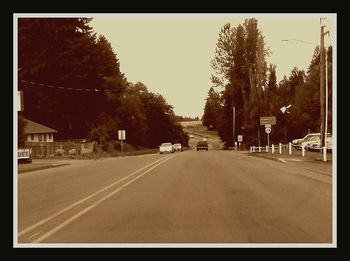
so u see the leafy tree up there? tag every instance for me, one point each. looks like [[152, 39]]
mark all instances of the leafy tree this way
[[271, 88], [240, 67], [222, 63], [65, 52]]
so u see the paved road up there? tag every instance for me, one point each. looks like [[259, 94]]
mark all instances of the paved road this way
[[186, 197]]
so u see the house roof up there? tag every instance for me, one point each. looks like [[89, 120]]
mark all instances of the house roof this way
[[34, 127]]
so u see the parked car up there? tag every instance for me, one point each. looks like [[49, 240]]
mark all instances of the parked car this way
[[202, 145], [166, 147], [315, 144], [177, 147], [24, 155], [309, 137]]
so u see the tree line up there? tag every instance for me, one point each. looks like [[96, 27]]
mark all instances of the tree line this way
[[66, 52], [244, 80]]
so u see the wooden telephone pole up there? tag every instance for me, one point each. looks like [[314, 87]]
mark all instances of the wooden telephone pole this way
[[322, 88], [322, 85]]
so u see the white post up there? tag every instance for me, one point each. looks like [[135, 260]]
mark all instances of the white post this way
[[303, 150], [326, 118], [267, 148], [280, 148], [273, 149], [290, 148], [253, 148], [259, 149]]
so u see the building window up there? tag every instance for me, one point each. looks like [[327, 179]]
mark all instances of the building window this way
[[40, 136], [32, 136], [50, 136]]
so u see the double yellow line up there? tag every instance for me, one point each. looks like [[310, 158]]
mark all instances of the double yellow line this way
[[26, 233]]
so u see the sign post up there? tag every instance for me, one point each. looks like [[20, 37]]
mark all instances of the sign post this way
[[121, 137], [268, 130], [240, 139], [268, 121]]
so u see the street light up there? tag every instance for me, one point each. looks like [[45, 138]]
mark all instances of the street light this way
[[323, 119], [284, 110]]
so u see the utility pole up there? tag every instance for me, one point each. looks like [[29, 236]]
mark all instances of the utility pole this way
[[322, 86], [233, 125], [326, 120], [326, 98]]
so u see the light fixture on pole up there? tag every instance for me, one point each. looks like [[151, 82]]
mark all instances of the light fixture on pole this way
[[285, 110]]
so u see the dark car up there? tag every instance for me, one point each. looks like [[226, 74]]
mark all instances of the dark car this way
[[202, 145]]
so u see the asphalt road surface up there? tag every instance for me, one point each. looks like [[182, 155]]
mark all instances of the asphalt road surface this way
[[186, 197]]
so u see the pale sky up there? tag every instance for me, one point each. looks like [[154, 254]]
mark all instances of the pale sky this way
[[171, 53]]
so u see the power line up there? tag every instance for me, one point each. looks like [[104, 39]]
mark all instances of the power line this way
[[68, 88], [297, 40]]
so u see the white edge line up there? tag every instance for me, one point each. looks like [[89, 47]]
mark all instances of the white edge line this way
[[68, 221], [28, 229]]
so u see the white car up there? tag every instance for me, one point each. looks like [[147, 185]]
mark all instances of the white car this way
[[315, 144], [309, 140], [166, 147], [25, 154], [177, 147], [297, 143]]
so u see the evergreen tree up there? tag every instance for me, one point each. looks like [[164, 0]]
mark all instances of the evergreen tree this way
[[212, 110]]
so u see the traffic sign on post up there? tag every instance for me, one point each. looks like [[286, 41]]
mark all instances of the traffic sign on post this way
[[121, 134], [267, 130], [240, 138], [268, 120], [121, 137]]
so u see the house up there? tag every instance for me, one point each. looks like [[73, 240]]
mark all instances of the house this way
[[36, 132]]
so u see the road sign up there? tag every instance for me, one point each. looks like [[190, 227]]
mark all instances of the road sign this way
[[240, 138], [268, 120], [267, 125], [267, 130], [121, 135]]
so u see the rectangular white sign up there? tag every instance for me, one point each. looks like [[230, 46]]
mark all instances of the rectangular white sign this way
[[121, 135]]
